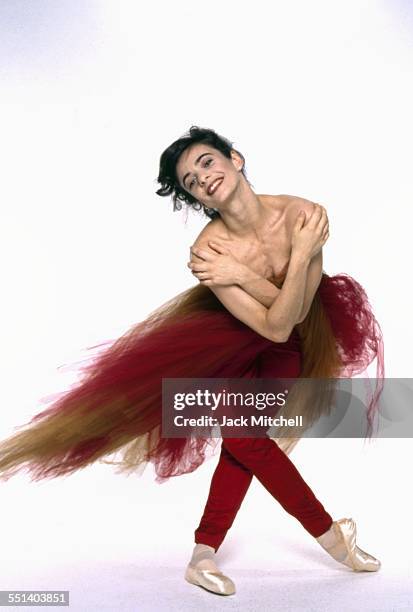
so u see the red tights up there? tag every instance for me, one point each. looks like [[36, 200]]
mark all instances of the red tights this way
[[240, 460], [243, 458]]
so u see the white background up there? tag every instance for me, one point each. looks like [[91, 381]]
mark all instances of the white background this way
[[317, 96]]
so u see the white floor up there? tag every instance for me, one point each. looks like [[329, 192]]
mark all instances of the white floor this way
[[317, 586], [121, 544]]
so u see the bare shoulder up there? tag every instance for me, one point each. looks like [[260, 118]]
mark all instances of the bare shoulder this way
[[214, 229], [285, 207], [297, 203], [293, 205], [285, 203]]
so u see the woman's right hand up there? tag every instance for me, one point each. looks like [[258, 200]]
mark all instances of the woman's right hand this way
[[217, 265], [309, 237]]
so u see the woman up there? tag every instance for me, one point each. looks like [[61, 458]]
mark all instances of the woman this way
[[250, 241], [234, 323]]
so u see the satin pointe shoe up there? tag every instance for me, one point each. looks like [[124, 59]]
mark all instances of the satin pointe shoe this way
[[340, 542], [216, 582]]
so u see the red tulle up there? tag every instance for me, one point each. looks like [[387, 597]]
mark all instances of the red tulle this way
[[125, 385], [357, 332]]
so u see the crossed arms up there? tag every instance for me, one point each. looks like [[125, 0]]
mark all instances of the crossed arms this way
[[265, 292], [255, 301]]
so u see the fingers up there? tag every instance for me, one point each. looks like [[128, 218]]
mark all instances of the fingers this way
[[197, 252], [202, 275], [200, 257], [325, 235], [299, 220], [323, 224], [319, 219], [203, 253], [316, 216], [199, 271], [217, 247], [197, 267]]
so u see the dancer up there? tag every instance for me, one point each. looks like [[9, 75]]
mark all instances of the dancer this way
[[264, 231], [233, 323]]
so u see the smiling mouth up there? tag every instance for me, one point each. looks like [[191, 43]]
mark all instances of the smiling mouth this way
[[212, 189]]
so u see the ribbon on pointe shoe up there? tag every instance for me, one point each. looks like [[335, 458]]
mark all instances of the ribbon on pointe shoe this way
[[340, 542]]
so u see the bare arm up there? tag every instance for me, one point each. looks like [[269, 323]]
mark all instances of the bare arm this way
[[266, 292], [315, 272], [258, 287], [284, 313], [227, 270], [277, 321]]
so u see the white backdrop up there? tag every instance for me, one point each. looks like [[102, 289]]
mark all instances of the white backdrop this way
[[318, 98]]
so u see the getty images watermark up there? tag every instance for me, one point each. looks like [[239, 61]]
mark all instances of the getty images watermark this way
[[285, 407], [212, 400]]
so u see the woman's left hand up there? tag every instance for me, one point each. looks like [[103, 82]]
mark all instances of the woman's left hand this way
[[219, 266]]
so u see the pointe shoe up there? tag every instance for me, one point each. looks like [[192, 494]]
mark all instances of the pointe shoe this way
[[340, 542], [212, 581]]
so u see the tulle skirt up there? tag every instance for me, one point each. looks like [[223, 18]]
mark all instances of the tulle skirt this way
[[114, 412]]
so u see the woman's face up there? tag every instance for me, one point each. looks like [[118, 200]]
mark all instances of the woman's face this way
[[209, 176]]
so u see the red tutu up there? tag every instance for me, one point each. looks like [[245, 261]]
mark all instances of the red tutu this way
[[117, 404]]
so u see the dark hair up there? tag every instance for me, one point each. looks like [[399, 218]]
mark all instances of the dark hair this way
[[169, 159]]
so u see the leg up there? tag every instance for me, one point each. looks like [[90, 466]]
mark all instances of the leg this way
[[229, 485], [232, 477], [280, 477]]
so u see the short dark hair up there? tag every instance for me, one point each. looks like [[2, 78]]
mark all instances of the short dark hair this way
[[167, 166]]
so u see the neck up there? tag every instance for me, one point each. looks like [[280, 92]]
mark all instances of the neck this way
[[245, 213]]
